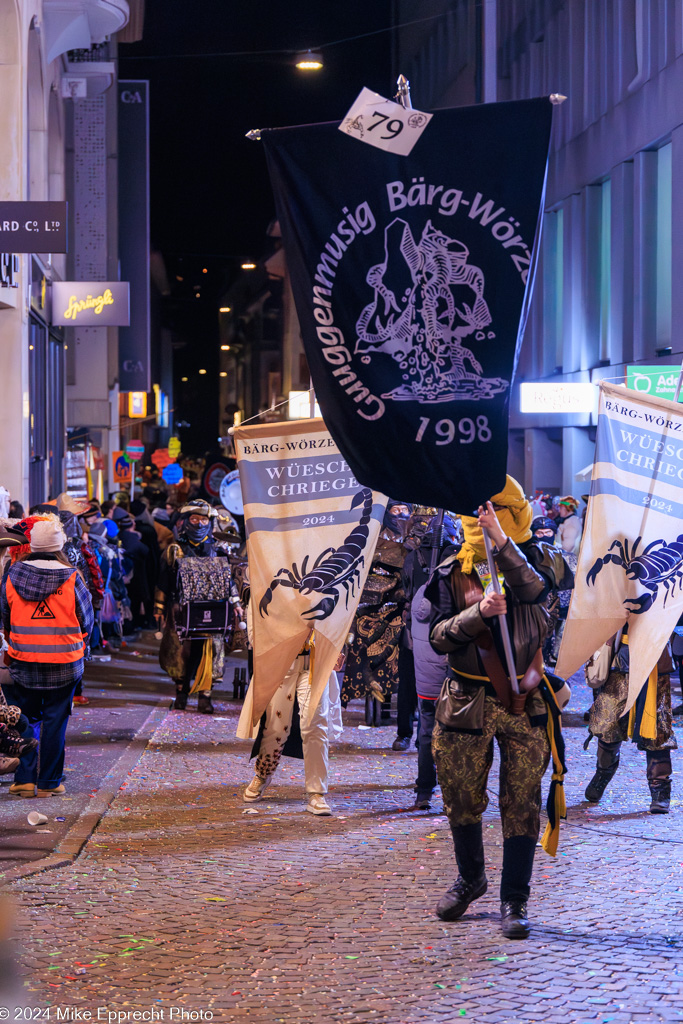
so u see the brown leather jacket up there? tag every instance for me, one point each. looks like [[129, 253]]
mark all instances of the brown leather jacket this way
[[459, 630]]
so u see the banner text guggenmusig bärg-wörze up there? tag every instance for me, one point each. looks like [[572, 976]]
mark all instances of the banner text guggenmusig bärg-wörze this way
[[411, 277]]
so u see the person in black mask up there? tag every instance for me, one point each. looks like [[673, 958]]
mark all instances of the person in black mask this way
[[396, 519], [183, 660], [544, 530]]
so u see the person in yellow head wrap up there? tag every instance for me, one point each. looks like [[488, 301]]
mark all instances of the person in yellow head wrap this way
[[477, 705], [513, 512]]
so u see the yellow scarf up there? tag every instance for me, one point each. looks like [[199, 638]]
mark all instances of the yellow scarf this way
[[648, 720], [515, 519], [203, 680]]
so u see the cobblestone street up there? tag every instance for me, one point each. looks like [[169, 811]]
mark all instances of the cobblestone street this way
[[186, 898]]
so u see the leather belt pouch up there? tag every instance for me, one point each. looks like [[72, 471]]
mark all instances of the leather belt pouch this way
[[462, 713]]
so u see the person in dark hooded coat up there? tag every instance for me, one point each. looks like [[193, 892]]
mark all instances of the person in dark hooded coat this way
[[372, 664], [184, 660], [138, 553], [144, 524]]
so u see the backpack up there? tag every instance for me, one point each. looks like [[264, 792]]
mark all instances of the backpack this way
[[431, 668], [205, 609], [109, 611]]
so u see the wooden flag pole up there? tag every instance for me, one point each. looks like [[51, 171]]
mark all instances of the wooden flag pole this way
[[311, 398], [502, 619]]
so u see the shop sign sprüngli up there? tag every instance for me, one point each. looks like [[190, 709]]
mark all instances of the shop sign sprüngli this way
[[90, 304]]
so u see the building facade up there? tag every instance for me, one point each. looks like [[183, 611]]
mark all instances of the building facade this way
[[610, 251], [57, 142], [262, 359]]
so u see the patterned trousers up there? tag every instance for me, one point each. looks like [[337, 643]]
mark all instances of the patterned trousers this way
[[463, 763], [608, 722], [314, 734]]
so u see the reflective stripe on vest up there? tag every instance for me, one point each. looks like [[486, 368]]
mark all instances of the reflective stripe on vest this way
[[47, 630]]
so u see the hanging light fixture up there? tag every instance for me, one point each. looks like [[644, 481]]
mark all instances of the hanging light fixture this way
[[310, 60]]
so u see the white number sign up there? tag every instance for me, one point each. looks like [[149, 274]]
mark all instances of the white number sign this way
[[382, 123]]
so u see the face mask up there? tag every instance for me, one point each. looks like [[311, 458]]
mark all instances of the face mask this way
[[544, 535], [396, 521], [197, 533]]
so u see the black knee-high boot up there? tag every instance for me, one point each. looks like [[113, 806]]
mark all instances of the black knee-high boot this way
[[659, 780], [518, 863], [607, 764], [468, 841], [471, 883]]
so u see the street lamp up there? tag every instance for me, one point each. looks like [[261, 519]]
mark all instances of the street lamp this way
[[311, 60], [248, 266]]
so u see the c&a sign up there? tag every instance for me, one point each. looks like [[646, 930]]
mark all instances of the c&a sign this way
[[90, 304]]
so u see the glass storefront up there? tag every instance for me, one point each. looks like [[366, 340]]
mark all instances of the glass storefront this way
[[47, 427]]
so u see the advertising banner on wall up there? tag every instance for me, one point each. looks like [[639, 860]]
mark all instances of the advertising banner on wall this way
[[412, 277], [90, 303], [121, 468], [134, 341], [631, 560], [33, 226], [311, 532], [659, 381]]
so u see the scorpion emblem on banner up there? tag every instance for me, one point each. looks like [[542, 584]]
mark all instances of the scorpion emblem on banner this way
[[333, 569], [660, 564]]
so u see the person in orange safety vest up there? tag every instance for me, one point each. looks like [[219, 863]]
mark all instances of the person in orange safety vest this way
[[47, 620]]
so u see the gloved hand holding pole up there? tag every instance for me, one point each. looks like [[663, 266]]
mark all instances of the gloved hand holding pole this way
[[489, 522]]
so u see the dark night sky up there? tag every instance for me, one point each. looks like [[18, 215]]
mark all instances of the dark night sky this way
[[210, 191]]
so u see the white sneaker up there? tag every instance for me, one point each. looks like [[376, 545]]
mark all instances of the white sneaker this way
[[256, 789], [317, 804]]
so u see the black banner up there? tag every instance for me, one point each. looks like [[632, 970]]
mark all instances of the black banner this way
[[412, 277]]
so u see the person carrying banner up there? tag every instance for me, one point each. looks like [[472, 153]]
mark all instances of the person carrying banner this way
[[649, 724], [477, 704], [290, 727], [186, 660]]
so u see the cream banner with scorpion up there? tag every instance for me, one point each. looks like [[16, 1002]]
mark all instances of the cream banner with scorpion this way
[[311, 533], [631, 560]]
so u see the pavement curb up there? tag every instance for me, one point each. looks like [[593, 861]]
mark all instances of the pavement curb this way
[[80, 832]]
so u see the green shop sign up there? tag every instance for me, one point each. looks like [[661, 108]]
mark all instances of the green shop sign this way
[[660, 381]]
